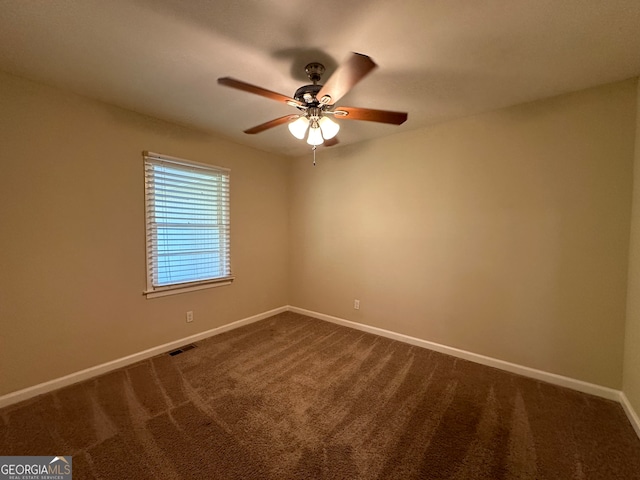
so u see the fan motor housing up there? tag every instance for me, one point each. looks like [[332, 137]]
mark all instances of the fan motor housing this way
[[307, 94]]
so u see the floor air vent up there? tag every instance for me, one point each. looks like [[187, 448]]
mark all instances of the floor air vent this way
[[178, 351]]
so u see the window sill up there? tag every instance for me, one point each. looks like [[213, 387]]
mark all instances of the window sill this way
[[178, 289]]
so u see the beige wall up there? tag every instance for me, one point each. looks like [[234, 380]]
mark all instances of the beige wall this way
[[504, 234], [632, 339], [72, 251]]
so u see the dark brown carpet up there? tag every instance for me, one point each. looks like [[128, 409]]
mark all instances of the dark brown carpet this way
[[292, 397]]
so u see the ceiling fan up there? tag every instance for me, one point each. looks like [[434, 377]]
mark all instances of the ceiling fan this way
[[316, 102]]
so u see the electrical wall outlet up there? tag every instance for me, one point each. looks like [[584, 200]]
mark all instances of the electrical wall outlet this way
[[189, 316], [356, 304]]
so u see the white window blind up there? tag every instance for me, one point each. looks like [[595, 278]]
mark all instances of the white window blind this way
[[187, 223]]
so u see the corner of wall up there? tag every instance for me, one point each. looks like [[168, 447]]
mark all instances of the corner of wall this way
[[631, 365]]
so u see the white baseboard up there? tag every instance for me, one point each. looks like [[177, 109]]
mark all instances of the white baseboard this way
[[631, 413], [579, 385], [41, 388]]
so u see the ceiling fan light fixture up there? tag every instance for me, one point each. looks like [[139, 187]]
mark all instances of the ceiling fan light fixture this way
[[315, 102], [298, 128], [315, 136], [329, 128]]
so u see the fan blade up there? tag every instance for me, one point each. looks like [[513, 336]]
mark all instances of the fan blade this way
[[331, 142], [270, 124], [247, 87], [370, 115], [344, 78]]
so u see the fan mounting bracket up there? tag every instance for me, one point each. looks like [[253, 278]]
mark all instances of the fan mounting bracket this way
[[314, 71]]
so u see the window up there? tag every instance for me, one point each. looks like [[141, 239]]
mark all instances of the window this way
[[187, 221]]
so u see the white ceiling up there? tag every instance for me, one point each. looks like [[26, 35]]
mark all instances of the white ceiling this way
[[438, 59]]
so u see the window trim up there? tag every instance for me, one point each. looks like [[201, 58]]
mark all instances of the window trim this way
[[183, 287]]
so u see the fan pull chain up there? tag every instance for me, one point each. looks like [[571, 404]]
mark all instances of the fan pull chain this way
[[314, 155]]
